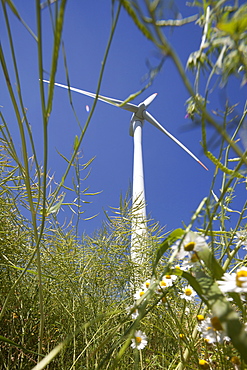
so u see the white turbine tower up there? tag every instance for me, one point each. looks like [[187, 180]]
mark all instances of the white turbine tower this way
[[138, 191]]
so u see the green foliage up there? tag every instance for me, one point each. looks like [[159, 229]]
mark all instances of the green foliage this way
[[237, 25]]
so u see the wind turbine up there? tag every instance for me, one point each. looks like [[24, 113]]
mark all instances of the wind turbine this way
[[139, 115]]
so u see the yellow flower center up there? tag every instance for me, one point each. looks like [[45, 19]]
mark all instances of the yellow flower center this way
[[216, 323], [203, 364], [181, 336], [200, 317], [188, 292], [162, 283], [235, 360], [141, 294], [138, 340], [189, 247], [147, 284], [240, 274], [168, 276]]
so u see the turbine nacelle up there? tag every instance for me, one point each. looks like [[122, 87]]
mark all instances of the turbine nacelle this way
[[139, 115]]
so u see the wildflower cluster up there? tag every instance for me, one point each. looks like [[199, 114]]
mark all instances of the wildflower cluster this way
[[190, 251], [139, 340], [211, 329], [213, 335], [187, 250]]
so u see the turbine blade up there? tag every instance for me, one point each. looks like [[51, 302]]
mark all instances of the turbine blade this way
[[128, 106], [149, 100], [148, 117]]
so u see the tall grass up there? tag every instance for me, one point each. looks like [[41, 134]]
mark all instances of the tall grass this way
[[67, 301]]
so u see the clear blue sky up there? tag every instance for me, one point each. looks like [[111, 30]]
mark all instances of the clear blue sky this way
[[175, 183]]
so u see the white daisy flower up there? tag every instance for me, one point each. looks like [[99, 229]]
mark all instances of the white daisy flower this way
[[139, 293], [146, 284], [163, 284], [241, 237], [188, 293], [235, 282], [139, 341], [167, 281], [182, 267], [171, 278], [193, 242], [134, 312], [212, 331]]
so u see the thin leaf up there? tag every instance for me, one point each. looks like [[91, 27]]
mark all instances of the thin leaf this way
[[211, 263], [12, 343], [166, 244]]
